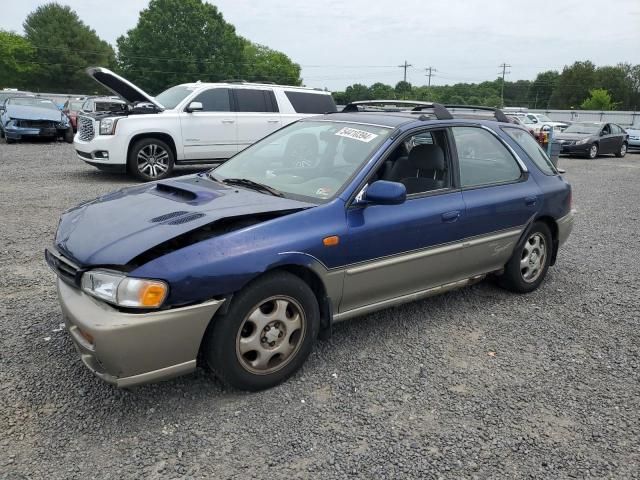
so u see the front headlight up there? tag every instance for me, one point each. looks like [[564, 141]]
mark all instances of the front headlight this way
[[108, 126], [583, 141], [118, 289]]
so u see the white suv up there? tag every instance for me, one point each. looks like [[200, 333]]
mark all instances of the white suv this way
[[187, 124]]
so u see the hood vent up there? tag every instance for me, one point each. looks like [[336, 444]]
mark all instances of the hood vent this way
[[167, 216], [186, 218]]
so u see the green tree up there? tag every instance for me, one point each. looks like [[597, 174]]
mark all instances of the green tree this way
[[381, 91], [356, 92], [177, 41], [599, 99], [64, 48], [16, 60], [260, 63], [542, 88], [573, 85], [403, 89]]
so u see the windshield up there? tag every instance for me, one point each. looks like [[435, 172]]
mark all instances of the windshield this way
[[76, 105], [32, 102], [308, 160], [586, 128], [171, 97]]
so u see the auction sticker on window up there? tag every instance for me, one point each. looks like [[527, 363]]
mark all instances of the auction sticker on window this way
[[356, 134]]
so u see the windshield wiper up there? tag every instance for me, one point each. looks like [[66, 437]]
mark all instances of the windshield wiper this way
[[245, 182]]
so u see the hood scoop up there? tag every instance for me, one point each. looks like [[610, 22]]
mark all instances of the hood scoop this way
[[167, 216], [181, 192]]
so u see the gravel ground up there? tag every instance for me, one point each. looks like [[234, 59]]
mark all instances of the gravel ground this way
[[477, 383]]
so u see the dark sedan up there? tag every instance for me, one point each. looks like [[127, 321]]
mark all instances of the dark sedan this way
[[593, 138], [27, 117]]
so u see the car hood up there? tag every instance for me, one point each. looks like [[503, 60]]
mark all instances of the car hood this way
[[119, 226], [120, 86], [571, 136], [25, 112]]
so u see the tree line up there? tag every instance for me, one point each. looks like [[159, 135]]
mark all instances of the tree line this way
[[174, 41], [581, 85]]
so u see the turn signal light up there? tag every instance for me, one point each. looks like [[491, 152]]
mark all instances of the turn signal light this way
[[152, 294], [331, 241]]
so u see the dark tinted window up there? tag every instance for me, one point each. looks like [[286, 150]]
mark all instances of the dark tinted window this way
[[214, 100], [483, 158], [110, 107], [529, 145], [306, 102], [248, 100]]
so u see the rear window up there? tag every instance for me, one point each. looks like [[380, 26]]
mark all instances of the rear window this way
[[306, 102], [533, 150], [110, 107], [248, 100]]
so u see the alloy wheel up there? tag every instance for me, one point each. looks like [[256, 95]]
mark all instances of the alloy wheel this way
[[533, 258], [271, 335], [593, 151], [153, 160]]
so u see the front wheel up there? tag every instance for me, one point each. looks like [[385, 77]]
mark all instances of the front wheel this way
[[267, 333], [593, 151], [529, 263], [150, 159], [622, 151], [68, 135]]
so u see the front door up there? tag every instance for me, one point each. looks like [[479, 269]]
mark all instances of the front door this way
[[608, 141], [211, 133], [398, 250]]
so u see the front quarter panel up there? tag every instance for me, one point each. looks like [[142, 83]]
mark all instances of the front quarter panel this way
[[224, 264]]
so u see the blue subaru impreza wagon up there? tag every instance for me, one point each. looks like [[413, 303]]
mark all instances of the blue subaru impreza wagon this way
[[242, 267]]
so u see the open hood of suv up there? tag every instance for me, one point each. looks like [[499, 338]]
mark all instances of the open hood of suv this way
[[121, 86]]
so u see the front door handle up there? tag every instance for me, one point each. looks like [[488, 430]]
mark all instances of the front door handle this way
[[227, 121], [452, 216], [273, 121], [530, 201]]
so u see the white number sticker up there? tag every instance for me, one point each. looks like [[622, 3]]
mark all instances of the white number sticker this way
[[361, 135]]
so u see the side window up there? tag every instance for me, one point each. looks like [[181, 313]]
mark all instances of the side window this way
[[306, 102], [214, 100], [260, 101], [615, 129], [483, 159], [421, 162], [533, 150], [606, 130]]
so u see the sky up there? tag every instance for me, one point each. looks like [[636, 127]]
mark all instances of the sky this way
[[341, 42]]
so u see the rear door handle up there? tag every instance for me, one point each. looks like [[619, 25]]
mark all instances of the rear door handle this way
[[227, 121], [451, 216], [530, 201]]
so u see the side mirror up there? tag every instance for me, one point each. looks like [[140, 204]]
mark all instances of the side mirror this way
[[383, 192], [194, 107]]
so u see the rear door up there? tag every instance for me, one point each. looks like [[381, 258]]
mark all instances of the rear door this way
[[212, 132], [500, 197], [257, 114]]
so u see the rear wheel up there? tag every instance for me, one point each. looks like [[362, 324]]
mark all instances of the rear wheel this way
[[622, 151], [593, 151], [529, 263], [150, 159], [267, 333]]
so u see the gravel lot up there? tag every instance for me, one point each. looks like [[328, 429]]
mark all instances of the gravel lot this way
[[477, 383]]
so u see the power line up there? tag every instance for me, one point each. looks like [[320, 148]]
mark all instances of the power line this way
[[430, 73], [405, 66]]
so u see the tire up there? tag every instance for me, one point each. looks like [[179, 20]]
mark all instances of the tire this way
[[68, 135], [9, 140], [150, 159], [622, 151], [1, 133], [527, 267], [592, 154], [258, 343]]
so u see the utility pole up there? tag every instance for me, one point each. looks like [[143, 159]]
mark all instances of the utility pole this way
[[430, 73], [405, 66], [504, 67]]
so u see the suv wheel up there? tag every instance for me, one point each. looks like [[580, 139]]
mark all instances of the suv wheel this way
[[150, 159], [267, 333], [529, 263], [622, 151]]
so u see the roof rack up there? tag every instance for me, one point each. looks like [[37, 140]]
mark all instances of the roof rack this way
[[439, 110], [498, 114]]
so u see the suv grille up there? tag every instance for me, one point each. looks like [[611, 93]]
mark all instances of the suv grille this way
[[85, 129]]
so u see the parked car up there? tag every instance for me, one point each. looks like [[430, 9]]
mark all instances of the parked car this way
[[594, 138], [540, 122], [326, 219], [71, 108], [29, 116], [6, 93], [187, 124], [634, 137]]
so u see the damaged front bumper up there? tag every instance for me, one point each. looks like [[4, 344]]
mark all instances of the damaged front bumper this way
[[127, 349]]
